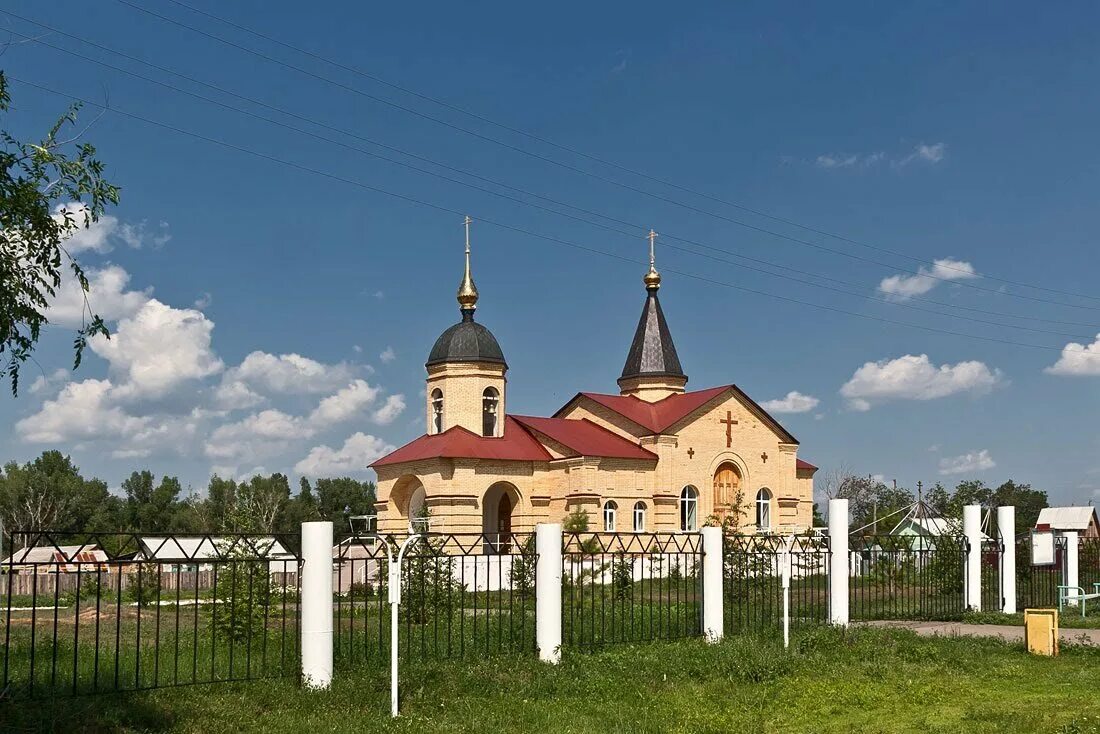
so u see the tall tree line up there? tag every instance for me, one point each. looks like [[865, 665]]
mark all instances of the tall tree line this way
[[50, 493]]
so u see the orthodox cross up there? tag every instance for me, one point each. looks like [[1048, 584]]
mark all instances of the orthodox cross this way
[[691, 453], [764, 456], [730, 422], [651, 237]]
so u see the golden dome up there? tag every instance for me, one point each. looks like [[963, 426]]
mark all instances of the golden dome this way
[[467, 291]]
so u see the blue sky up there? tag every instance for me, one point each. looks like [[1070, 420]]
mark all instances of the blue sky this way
[[963, 135]]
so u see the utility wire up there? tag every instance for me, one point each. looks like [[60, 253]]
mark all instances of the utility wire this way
[[595, 158], [514, 199], [520, 230], [612, 181]]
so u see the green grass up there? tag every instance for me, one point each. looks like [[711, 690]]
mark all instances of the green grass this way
[[1068, 619], [863, 680]]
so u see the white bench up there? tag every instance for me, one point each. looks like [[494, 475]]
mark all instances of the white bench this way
[[1077, 593]]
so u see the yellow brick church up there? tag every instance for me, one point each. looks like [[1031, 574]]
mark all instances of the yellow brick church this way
[[654, 457]]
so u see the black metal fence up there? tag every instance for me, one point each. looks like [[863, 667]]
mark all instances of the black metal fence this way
[[1088, 563], [630, 587], [907, 577], [753, 587], [1037, 586], [86, 613], [991, 566], [462, 595]]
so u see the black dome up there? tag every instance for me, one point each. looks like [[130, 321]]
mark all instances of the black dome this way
[[466, 341]]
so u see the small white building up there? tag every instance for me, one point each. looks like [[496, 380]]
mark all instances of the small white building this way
[[193, 553], [1080, 519], [56, 559]]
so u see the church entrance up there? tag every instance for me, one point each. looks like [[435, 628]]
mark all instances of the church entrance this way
[[497, 508], [727, 486]]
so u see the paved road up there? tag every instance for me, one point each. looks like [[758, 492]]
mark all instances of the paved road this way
[[1004, 632]]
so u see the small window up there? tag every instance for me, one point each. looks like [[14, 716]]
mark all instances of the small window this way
[[689, 509], [437, 411], [489, 401], [610, 510], [639, 517], [764, 509]]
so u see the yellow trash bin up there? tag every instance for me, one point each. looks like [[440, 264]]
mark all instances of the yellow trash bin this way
[[1041, 631]]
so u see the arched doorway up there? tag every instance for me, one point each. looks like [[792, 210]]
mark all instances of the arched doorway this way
[[497, 507], [727, 484]]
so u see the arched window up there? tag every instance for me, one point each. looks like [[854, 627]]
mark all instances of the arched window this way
[[437, 411], [610, 510], [639, 517], [689, 509], [489, 401], [764, 509]]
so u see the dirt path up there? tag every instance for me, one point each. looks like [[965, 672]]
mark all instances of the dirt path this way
[[1004, 632]]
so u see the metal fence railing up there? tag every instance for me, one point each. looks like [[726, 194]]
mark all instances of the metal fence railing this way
[[1037, 586], [1088, 562], [630, 587], [991, 566], [753, 588], [86, 613], [907, 577], [462, 594]]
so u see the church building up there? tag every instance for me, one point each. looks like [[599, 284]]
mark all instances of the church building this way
[[654, 457]]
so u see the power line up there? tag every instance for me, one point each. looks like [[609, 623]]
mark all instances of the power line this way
[[595, 158], [611, 181], [511, 198], [520, 230]]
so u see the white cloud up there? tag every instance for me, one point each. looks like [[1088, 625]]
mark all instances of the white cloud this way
[[358, 451], [925, 153], [393, 407], [794, 402], [916, 378], [236, 396], [107, 296], [971, 462], [848, 160], [388, 355], [1078, 360], [344, 404], [260, 435], [101, 236], [81, 411], [47, 383], [289, 373], [203, 301], [158, 348], [903, 287]]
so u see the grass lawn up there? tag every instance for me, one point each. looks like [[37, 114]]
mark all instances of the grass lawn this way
[[864, 680]]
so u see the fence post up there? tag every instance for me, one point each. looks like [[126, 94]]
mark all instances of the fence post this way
[[972, 529], [316, 595], [548, 546], [1006, 528], [838, 562], [1072, 576], [713, 623]]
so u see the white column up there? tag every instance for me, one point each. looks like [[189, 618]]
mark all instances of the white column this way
[[1072, 578], [838, 562], [316, 604], [972, 529], [548, 546], [713, 624], [1006, 528]]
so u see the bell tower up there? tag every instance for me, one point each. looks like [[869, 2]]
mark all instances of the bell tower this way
[[652, 370], [466, 370]]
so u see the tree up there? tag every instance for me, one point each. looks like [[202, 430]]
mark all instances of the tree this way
[[301, 508], [149, 508], [48, 190], [49, 493], [339, 499], [259, 502]]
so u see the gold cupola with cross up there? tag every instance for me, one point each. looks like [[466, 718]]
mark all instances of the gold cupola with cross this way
[[466, 370], [652, 370]]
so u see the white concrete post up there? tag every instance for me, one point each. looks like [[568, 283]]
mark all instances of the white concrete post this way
[[316, 591], [1072, 576], [972, 529], [713, 624], [548, 546], [1006, 529], [838, 562]]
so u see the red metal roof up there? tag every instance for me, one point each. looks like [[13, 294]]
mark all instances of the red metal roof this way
[[800, 464], [664, 413], [585, 438], [458, 443]]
